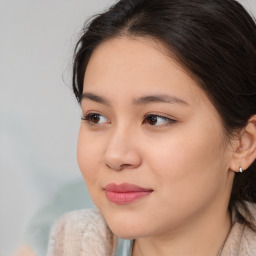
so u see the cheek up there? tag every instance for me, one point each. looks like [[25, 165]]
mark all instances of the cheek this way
[[190, 167], [88, 156]]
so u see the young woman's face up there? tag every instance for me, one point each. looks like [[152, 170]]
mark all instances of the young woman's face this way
[[151, 148]]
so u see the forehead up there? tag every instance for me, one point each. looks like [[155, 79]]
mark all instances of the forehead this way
[[127, 66]]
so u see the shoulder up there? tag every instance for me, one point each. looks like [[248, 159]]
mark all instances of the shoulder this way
[[241, 240], [82, 232], [248, 238]]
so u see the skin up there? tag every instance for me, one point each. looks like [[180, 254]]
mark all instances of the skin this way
[[185, 162], [24, 251]]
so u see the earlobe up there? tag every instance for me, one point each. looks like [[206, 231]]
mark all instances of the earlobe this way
[[245, 152], [241, 169]]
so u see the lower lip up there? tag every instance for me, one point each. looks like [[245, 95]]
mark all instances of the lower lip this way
[[125, 197]]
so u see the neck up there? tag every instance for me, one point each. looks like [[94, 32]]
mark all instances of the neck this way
[[200, 237]]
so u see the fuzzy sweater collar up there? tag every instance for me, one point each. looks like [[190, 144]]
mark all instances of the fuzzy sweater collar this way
[[85, 233]]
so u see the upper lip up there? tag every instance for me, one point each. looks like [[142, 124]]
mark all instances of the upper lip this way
[[125, 187]]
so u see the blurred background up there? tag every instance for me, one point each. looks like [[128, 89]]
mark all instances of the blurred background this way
[[39, 116]]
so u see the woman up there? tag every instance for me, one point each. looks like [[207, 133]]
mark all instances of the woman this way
[[167, 143]]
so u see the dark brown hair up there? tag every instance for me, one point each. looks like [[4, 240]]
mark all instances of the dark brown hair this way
[[214, 40]]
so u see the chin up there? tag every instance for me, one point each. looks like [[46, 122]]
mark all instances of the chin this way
[[127, 221], [126, 227], [124, 233]]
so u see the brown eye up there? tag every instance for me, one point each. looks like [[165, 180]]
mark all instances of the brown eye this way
[[156, 120], [94, 118], [152, 120]]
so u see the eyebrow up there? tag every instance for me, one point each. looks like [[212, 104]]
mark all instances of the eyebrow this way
[[139, 101], [95, 98], [159, 98]]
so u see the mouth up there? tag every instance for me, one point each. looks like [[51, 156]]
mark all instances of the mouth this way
[[125, 193]]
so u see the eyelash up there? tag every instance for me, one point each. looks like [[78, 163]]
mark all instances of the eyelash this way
[[166, 119], [87, 118]]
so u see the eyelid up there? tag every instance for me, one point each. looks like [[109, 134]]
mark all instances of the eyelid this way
[[86, 117], [169, 120]]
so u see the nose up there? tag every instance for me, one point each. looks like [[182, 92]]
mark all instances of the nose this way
[[121, 151]]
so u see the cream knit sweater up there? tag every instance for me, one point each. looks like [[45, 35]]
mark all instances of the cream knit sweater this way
[[85, 233]]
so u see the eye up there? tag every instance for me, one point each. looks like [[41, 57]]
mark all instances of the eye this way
[[156, 120], [94, 118]]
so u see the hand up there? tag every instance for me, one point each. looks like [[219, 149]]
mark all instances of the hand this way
[[24, 251]]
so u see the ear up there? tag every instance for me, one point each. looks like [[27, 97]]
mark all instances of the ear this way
[[245, 149]]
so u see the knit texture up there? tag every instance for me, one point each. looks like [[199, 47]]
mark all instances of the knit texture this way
[[82, 233], [85, 233], [241, 240]]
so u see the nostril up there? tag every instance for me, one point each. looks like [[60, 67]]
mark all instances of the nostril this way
[[119, 167], [114, 167], [126, 166], [118, 157]]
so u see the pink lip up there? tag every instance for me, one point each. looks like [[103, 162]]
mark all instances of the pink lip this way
[[125, 193]]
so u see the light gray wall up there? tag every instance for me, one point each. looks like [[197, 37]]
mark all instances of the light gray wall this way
[[39, 118]]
